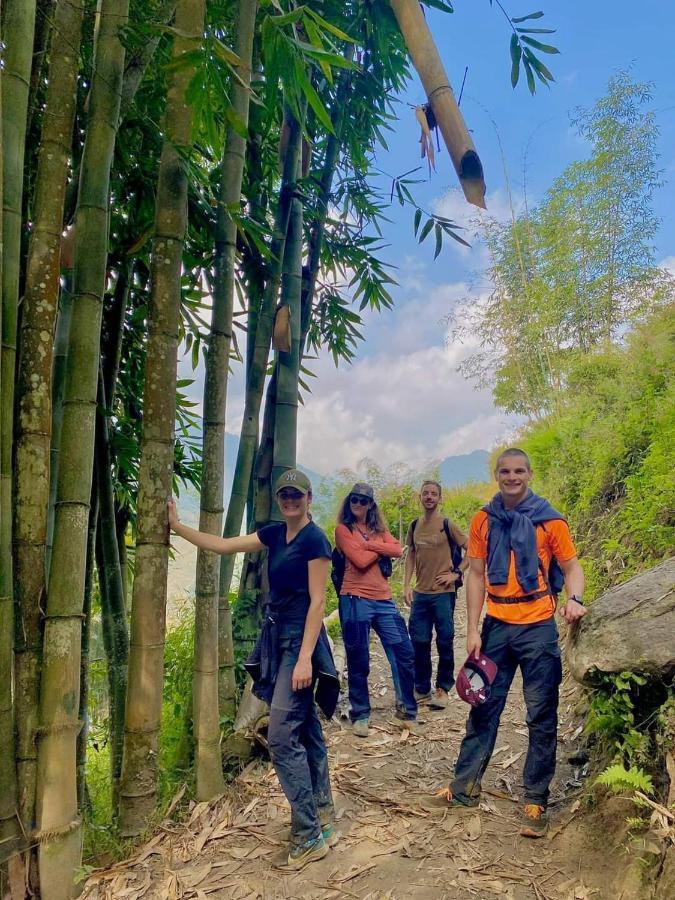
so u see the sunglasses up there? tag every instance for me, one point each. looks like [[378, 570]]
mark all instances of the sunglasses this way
[[290, 495], [359, 499]]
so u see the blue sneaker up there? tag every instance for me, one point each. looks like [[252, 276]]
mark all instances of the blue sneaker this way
[[330, 834], [302, 854]]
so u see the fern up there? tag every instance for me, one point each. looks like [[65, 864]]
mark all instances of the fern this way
[[619, 779]]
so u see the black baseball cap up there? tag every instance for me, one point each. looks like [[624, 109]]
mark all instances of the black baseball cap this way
[[364, 490]]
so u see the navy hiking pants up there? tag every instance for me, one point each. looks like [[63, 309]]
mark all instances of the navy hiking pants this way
[[357, 616], [297, 747], [536, 650], [431, 611]]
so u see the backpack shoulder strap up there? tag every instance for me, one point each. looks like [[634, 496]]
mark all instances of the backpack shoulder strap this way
[[413, 525]]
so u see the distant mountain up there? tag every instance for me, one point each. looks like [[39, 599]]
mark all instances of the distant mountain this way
[[467, 467], [454, 470]]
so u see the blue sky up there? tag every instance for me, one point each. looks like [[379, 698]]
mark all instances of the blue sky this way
[[402, 400]]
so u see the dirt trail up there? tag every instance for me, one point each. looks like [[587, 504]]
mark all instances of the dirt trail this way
[[390, 847]]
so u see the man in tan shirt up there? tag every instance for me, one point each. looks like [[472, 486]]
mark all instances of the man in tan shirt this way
[[435, 559]]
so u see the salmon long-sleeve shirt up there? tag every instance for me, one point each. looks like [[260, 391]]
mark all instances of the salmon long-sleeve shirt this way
[[362, 549]]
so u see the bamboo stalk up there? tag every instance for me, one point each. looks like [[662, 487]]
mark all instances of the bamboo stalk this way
[[209, 570], [146, 660], [8, 783], [288, 364], [83, 736], [57, 814], [208, 764], [34, 386], [18, 23], [60, 359], [429, 66], [257, 367], [112, 593]]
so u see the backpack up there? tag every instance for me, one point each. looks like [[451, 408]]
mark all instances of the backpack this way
[[555, 577], [337, 571], [455, 549]]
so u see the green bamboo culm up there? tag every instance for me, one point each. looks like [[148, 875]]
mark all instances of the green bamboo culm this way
[[288, 363], [213, 605], [113, 612], [111, 574], [58, 824], [138, 789], [60, 358], [206, 711], [83, 736], [257, 365], [34, 386], [18, 24]]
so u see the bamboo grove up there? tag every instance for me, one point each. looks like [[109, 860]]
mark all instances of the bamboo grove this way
[[178, 176]]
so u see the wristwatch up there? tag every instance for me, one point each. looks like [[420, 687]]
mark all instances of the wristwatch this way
[[577, 599]]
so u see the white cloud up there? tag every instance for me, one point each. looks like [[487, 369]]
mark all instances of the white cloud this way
[[402, 400], [668, 264], [395, 407]]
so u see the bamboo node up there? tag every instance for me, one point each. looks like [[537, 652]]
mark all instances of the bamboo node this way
[[47, 730], [58, 831]]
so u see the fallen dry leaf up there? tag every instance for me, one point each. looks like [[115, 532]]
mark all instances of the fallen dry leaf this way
[[193, 876], [474, 828], [509, 761]]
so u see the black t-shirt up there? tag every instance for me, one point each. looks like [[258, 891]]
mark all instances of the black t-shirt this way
[[287, 567]]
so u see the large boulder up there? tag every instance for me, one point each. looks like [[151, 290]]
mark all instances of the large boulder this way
[[631, 627]]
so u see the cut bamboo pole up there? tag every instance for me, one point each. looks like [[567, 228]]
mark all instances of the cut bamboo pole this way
[[429, 66]]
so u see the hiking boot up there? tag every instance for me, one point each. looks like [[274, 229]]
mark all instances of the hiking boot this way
[[534, 821], [439, 699], [301, 854], [444, 800], [400, 712], [360, 728], [411, 725], [422, 698], [330, 834]]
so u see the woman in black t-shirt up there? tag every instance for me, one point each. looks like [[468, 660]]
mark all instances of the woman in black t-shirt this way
[[292, 654]]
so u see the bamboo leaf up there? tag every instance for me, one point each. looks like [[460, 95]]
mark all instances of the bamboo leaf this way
[[516, 53], [534, 15], [535, 30], [530, 76], [313, 98], [328, 26], [545, 48], [439, 240], [315, 41], [417, 220], [425, 231], [541, 70]]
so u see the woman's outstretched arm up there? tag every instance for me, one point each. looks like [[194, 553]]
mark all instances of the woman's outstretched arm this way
[[246, 543]]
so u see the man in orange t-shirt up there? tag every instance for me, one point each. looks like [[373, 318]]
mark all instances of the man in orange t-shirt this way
[[512, 543]]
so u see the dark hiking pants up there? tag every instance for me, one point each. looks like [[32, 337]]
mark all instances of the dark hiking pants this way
[[357, 616], [536, 650], [297, 747], [431, 611]]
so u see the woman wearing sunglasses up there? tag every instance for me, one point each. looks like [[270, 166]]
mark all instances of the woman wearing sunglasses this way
[[365, 602], [291, 656]]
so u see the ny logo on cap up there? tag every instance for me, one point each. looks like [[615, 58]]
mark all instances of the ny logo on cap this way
[[290, 476]]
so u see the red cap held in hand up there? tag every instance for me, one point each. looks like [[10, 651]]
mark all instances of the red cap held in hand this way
[[474, 679]]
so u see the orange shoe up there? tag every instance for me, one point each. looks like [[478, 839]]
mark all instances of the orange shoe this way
[[534, 821]]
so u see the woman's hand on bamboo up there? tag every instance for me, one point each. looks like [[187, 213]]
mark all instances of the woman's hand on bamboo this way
[[302, 674], [173, 513]]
